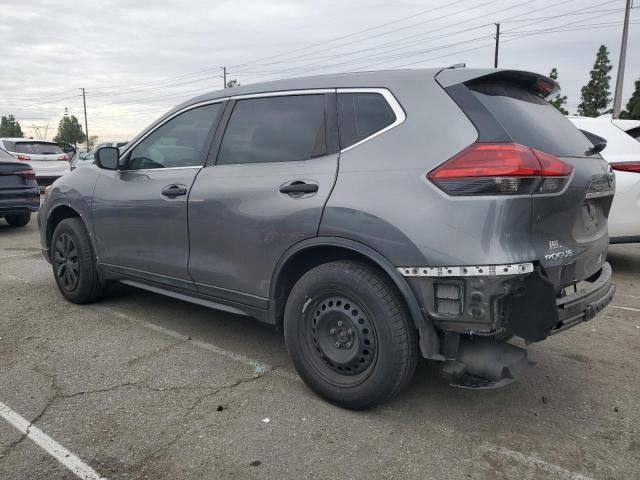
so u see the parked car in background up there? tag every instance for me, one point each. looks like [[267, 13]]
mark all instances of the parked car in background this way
[[83, 159], [19, 192], [70, 150], [46, 158], [632, 127], [87, 158], [376, 216], [623, 154]]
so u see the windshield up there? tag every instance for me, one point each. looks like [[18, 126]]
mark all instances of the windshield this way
[[38, 148]]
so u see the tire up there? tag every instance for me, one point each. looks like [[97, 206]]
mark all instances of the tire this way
[[74, 262], [349, 335], [20, 220]]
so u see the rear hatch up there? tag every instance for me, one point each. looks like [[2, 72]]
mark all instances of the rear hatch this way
[[46, 158], [569, 209]]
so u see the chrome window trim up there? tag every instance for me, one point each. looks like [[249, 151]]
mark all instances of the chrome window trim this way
[[401, 116], [190, 167], [284, 93]]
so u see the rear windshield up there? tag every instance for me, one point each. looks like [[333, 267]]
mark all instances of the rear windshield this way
[[634, 133], [38, 148], [530, 120], [6, 155]]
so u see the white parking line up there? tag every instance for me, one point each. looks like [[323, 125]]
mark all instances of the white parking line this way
[[626, 308], [20, 255], [535, 462], [49, 445], [263, 367], [555, 470]]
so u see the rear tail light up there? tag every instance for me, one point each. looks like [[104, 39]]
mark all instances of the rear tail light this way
[[27, 174], [501, 169], [64, 157], [24, 158], [626, 166]]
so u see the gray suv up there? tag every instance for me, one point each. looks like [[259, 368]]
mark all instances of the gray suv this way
[[377, 217]]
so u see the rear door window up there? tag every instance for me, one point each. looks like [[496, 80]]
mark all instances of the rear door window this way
[[38, 148], [361, 115], [529, 119], [275, 129]]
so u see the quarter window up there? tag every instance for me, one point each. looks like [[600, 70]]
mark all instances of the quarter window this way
[[275, 129], [180, 142], [361, 115]]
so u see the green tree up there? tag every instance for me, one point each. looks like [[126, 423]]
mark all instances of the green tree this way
[[633, 106], [233, 83], [93, 141], [10, 127], [596, 95], [559, 100], [70, 131]]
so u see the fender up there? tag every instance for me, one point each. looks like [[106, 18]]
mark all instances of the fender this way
[[429, 339]]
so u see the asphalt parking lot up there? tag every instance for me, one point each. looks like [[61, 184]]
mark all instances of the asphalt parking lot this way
[[143, 387]]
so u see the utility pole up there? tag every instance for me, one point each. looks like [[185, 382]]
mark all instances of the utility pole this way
[[224, 76], [86, 125], [617, 96], [495, 59]]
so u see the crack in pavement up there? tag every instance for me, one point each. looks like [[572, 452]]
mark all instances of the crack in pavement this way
[[198, 401]]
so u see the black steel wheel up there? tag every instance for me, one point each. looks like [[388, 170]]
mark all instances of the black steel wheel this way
[[348, 334], [74, 262], [65, 262], [342, 340]]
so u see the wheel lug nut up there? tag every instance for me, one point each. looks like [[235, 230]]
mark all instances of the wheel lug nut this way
[[337, 344], [349, 331], [348, 344], [340, 323], [332, 331]]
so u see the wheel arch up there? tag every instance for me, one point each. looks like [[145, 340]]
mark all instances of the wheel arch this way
[[55, 216], [313, 252]]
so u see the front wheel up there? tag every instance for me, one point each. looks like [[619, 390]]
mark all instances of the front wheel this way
[[349, 336], [20, 220], [74, 262]]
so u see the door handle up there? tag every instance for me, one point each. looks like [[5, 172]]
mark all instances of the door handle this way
[[299, 188], [172, 191]]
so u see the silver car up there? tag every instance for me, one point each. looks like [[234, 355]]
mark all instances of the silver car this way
[[46, 158], [377, 217]]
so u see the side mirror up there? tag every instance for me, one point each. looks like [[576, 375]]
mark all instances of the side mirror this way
[[107, 158]]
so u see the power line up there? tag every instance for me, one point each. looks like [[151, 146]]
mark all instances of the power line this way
[[301, 68]]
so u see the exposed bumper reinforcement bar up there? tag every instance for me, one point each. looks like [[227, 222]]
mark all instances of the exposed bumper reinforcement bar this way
[[586, 303], [468, 270]]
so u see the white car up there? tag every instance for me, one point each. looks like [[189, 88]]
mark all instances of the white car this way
[[623, 155], [45, 157]]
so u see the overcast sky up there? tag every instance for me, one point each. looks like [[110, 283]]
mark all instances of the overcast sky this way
[[138, 58]]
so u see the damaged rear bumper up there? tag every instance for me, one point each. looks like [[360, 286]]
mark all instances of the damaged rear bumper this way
[[521, 301], [586, 302]]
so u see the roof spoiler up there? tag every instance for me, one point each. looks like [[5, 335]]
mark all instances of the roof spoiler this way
[[540, 84]]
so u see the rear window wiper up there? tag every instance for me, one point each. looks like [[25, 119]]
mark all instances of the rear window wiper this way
[[598, 146]]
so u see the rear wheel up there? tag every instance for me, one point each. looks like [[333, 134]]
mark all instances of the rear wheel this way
[[18, 220], [349, 336], [74, 264]]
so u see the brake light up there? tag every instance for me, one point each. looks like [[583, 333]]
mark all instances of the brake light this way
[[24, 158], [626, 166], [501, 169], [64, 157], [27, 174]]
